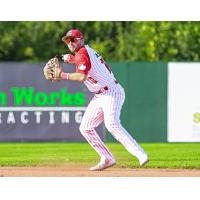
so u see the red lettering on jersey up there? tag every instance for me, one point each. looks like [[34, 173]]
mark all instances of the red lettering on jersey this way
[[91, 80], [106, 65]]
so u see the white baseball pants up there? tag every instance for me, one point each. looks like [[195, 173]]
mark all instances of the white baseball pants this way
[[107, 107]]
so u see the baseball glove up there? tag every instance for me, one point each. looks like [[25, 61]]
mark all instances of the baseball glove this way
[[53, 70]]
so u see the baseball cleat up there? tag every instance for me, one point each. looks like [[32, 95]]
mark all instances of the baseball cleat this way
[[103, 165], [144, 160]]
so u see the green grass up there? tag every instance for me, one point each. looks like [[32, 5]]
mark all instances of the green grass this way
[[162, 155]]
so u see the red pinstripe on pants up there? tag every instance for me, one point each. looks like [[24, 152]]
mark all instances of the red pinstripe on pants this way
[[107, 107]]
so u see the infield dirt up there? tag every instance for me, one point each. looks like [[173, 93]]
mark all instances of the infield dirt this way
[[83, 171]]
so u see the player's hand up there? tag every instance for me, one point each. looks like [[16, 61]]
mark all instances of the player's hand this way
[[69, 58]]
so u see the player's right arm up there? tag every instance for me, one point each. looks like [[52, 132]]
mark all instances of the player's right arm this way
[[83, 65]]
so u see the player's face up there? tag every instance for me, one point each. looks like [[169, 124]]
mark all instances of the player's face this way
[[73, 44]]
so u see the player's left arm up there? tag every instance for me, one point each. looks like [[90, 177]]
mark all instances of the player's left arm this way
[[80, 77]]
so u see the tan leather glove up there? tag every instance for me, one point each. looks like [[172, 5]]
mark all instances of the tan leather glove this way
[[53, 70]]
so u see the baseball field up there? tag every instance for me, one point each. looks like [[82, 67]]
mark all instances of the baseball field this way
[[74, 159]]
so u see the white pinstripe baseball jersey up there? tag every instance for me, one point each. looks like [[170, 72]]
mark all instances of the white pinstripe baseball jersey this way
[[98, 72]]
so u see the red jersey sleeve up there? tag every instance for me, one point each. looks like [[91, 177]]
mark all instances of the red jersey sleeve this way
[[82, 61]]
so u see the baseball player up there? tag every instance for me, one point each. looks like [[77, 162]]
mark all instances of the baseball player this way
[[109, 96]]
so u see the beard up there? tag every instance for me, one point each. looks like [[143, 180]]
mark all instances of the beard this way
[[72, 48]]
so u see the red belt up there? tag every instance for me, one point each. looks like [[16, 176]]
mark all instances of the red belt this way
[[104, 89]]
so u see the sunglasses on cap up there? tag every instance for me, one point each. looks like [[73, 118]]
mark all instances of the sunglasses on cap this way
[[70, 39]]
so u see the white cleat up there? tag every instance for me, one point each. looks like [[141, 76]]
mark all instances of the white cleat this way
[[144, 160], [103, 165]]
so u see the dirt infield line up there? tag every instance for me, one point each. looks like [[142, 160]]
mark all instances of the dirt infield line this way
[[83, 171]]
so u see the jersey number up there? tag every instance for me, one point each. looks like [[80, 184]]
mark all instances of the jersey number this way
[[103, 62]]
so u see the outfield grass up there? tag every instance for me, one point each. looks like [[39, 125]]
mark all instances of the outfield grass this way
[[162, 155]]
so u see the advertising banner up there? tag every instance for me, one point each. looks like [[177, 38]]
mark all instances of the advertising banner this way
[[34, 109], [183, 102]]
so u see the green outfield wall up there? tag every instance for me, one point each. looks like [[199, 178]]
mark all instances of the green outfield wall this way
[[144, 112]]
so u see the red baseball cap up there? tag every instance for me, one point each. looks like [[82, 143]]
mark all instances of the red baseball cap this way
[[75, 33]]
